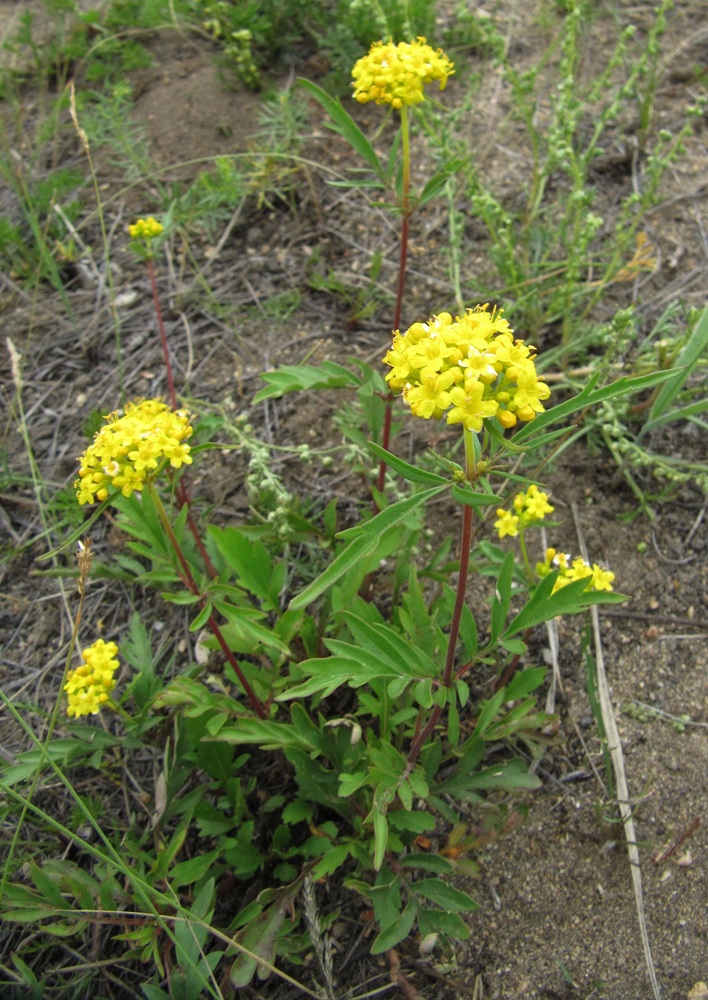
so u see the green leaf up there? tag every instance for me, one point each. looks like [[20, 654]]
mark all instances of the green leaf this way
[[687, 360], [453, 723], [341, 564], [259, 732], [191, 871], [502, 596], [444, 895], [486, 717], [409, 472], [349, 783], [515, 646], [380, 837], [302, 378], [392, 515], [412, 822], [242, 634], [344, 125], [524, 682], [202, 618], [428, 862], [395, 933], [443, 922], [514, 774], [333, 859], [590, 396], [466, 494], [682, 413], [259, 937], [363, 540], [571, 599], [438, 182], [251, 562]]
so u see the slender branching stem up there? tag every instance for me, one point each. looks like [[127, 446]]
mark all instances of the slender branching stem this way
[[163, 334], [401, 284], [191, 584], [182, 494]]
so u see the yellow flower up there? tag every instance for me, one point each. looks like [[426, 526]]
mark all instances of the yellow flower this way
[[469, 407], [577, 569], [469, 366], [129, 448], [532, 505], [396, 74], [89, 686], [507, 523], [145, 229], [529, 506], [601, 578]]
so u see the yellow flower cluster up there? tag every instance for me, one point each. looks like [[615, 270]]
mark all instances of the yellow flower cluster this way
[[471, 368], [129, 448], [529, 507], [577, 569], [145, 229], [396, 74], [89, 686]]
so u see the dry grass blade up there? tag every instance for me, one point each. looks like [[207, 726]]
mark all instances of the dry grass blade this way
[[617, 756]]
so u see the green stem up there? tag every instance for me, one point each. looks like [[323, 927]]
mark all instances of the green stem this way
[[191, 584], [524, 553]]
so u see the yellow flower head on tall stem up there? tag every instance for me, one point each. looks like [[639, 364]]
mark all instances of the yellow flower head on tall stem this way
[[125, 453], [145, 229], [396, 74], [470, 368], [89, 686]]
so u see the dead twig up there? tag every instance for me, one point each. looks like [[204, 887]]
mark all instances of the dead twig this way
[[617, 757]]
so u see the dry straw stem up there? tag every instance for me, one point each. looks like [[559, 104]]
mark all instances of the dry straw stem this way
[[617, 757]]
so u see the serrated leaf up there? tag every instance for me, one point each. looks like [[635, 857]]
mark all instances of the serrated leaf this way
[[333, 859], [188, 872], [413, 822]]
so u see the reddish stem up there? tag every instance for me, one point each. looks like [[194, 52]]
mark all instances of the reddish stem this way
[[381, 478], [191, 584], [424, 734], [163, 334], [182, 494]]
